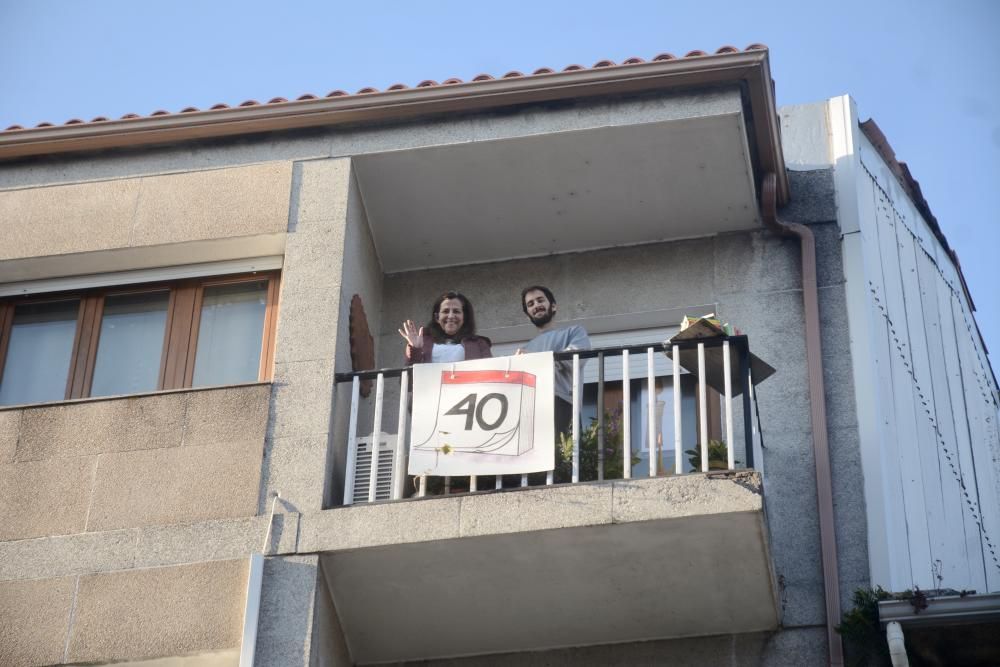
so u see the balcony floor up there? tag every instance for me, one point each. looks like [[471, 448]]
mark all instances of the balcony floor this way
[[572, 565]]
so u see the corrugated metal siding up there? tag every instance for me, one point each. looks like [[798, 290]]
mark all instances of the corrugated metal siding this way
[[937, 403]]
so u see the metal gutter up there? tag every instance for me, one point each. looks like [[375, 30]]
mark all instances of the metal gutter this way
[[817, 403], [942, 610], [749, 68]]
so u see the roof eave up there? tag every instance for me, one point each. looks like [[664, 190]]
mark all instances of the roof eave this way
[[750, 68]]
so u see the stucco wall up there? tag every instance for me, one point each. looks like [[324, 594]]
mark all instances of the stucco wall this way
[[309, 324], [362, 275], [147, 460]]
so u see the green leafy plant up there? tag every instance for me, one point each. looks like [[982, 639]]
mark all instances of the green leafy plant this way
[[860, 628], [589, 454], [718, 457]]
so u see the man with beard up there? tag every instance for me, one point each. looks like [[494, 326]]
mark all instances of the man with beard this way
[[539, 305]]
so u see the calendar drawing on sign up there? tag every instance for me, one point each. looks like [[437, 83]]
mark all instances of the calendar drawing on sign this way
[[483, 417], [484, 412]]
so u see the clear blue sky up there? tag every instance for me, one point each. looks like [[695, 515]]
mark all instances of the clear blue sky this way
[[927, 71]]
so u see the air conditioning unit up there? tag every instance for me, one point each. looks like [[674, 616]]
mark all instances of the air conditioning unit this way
[[363, 467]]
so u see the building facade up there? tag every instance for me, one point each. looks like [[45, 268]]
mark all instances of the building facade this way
[[185, 301]]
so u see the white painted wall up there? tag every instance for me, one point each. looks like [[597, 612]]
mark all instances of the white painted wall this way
[[927, 401]]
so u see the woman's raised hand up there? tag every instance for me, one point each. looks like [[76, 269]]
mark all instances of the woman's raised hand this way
[[412, 335]]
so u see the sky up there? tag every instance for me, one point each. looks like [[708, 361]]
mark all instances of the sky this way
[[927, 71]]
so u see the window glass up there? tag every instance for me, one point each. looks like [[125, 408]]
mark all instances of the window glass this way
[[230, 333], [131, 343], [38, 355]]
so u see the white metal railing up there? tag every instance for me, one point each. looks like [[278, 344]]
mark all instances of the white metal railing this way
[[716, 363]]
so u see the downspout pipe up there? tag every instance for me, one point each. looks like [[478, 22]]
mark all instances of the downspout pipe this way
[[897, 645], [817, 403]]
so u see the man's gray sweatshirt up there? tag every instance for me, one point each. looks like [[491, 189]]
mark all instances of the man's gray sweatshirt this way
[[558, 340]]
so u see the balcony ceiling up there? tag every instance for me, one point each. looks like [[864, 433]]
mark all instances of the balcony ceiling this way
[[561, 192]]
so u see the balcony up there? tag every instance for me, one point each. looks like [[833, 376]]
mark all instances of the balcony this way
[[662, 543]]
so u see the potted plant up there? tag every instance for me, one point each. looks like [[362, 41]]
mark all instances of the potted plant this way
[[589, 456], [718, 457]]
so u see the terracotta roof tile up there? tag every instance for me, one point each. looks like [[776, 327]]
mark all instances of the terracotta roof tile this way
[[427, 83]]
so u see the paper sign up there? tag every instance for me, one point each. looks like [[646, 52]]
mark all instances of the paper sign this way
[[483, 417]]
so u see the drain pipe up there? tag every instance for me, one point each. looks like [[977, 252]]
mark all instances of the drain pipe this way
[[897, 645], [817, 402]]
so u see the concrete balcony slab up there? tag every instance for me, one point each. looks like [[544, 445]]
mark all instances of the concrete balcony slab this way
[[548, 567]]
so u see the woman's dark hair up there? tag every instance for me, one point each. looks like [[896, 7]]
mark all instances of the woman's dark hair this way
[[468, 319], [536, 288]]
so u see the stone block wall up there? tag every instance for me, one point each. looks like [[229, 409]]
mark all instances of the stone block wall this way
[[105, 464], [188, 609], [147, 211]]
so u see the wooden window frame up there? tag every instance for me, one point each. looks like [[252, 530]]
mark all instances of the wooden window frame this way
[[180, 339]]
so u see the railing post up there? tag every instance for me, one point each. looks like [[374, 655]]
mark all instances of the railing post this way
[[376, 438], [702, 408], [730, 441], [399, 469], [352, 442], [576, 418], [600, 417], [745, 376], [626, 417], [654, 450], [678, 417]]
